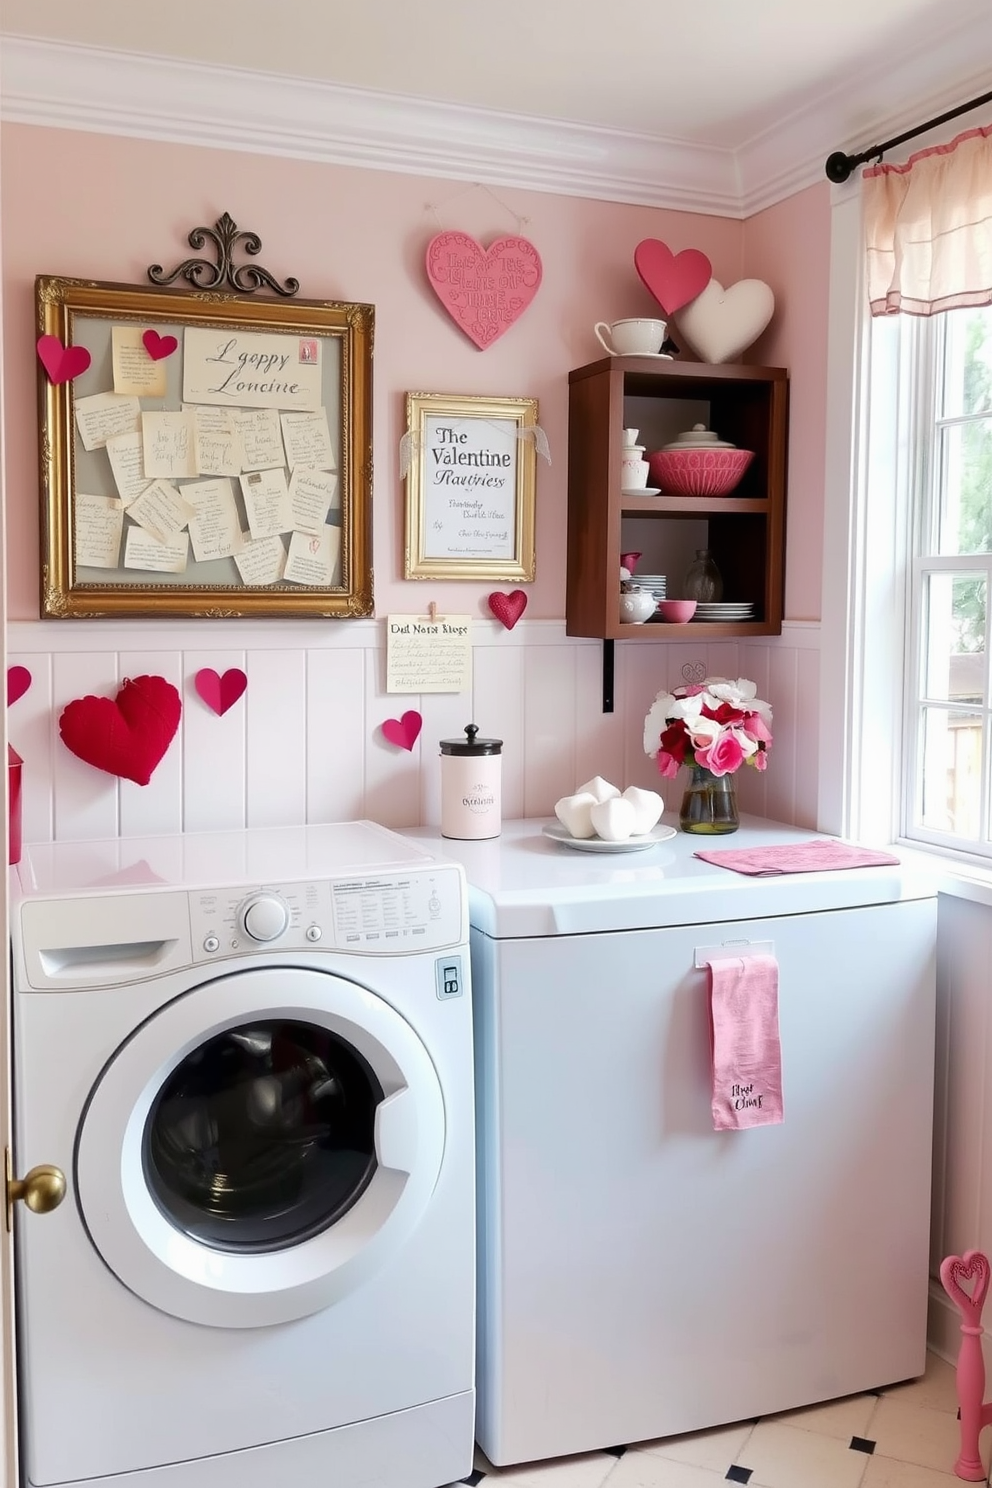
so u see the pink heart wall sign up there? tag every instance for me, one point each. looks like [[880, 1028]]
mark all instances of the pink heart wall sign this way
[[62, 363], [220, 693], [403, 732], [484, 290], [18, 681], [673, 278], [158, 347], [508, 607]]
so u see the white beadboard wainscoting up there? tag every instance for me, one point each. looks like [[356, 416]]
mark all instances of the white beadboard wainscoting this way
[[304, 744]]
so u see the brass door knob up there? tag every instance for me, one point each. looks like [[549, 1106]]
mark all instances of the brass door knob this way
[[42, 1188]]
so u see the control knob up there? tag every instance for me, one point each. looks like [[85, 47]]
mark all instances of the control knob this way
[[265, 917]]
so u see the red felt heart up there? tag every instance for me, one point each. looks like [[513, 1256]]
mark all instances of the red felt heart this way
[[404, 731], [18, 682], [158, 346], [483, 290], [220, 693], [126, 735], [673, 278], [508, 607], [62, 363]]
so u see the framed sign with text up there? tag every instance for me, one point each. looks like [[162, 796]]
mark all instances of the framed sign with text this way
[[470, 487], [203, 453]]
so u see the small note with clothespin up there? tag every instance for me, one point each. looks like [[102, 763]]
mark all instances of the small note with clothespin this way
[[428, 653]]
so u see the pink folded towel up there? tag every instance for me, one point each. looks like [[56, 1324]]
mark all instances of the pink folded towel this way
[[797, 857], [747, 1055]]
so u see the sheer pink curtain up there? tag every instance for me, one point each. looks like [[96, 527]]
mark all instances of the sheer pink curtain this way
[[928, 228]]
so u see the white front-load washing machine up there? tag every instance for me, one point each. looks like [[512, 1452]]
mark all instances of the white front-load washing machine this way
[[250, 1054]]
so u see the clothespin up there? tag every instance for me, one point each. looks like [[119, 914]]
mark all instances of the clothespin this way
[[432, 612]]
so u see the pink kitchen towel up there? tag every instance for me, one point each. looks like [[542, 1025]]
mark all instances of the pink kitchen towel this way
[[744, 1039], [797, 857]]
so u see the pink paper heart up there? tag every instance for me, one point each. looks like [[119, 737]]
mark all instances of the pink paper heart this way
[[62, 363], [404, 731], [483, 290], [18, 681], [508, 607], [220, 693], [673, 278], [158, 346]]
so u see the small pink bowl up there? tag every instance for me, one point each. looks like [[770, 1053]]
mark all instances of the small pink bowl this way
[[676, 611], [698, 472]]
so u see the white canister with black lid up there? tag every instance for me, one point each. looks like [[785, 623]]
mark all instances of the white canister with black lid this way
[[471, 776]]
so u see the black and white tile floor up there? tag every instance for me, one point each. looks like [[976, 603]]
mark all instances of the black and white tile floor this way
[[902, 1437]]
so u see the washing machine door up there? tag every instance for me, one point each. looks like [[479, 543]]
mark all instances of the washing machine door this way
[[259, 1146]]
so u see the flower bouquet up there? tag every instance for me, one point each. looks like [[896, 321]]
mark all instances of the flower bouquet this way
[[714, 727]]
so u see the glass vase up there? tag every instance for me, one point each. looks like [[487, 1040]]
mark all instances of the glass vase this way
[[703, 581], [709, 805]]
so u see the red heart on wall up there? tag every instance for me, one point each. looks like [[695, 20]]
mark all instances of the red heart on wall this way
[[158, 346], [673, 278], [62, 363], [508, 607], [484, 290], [404, 731], [126, 735], [18, 682], [220, 693]]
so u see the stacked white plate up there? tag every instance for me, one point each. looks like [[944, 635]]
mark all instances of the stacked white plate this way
[[725, 610], [654, 584]]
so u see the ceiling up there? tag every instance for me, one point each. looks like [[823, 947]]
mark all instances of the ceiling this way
[[716, 74]]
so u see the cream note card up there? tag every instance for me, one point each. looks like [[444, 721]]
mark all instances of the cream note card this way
[[313, 557], [169, 445], [214, 530], [143, 551], [266, 498], [261, 562], [308, 440], [424, 655], [218, 443], [99, 520], [161, 511], [261, 439], [102, 415], [241, 370], [310, 495], [135, 372], [128, 466]]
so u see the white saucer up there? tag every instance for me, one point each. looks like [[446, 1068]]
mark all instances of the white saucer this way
[[557, 833], [648, 356], [643, 491]]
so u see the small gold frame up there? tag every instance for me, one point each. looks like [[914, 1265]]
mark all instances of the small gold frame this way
[[338, 335], [484, 448]]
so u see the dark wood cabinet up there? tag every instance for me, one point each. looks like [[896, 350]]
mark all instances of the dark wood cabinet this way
[[745, 531]]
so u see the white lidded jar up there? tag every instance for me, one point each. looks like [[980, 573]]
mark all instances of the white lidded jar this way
[[471, 774]]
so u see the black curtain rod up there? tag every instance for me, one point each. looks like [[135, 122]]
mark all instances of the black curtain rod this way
[[839, 166]]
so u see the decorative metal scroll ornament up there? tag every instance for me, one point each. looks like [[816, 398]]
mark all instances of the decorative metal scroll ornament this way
[[245, 278]]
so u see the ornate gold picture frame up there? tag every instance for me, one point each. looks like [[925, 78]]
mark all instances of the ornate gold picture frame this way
[[470, 487], [213, 457]]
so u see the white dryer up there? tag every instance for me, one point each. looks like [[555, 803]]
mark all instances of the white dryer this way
[[250, 1054]]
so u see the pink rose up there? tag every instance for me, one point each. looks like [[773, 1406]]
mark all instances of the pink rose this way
[[667, 766], [760, 760], [723, 756], [756, 726]]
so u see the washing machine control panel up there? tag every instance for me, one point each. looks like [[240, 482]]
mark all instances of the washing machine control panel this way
[[382, 914]]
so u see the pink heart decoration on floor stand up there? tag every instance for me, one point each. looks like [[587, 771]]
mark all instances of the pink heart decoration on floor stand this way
[[62, 363], [18, 681], [484, 290], [220, 693], [508, 607], [403, 732], [673, 278], [158, 347]]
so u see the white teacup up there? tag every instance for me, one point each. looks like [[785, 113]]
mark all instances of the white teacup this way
[[632, 337]]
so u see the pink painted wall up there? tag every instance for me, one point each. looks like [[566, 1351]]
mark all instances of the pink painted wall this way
[[100, 207], [788, 246]]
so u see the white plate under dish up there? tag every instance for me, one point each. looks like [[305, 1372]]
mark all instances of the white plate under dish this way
[[557, 833], [643, 491]]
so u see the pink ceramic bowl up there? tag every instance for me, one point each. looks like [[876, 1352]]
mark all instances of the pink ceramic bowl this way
[[676, 611], [698, 472]]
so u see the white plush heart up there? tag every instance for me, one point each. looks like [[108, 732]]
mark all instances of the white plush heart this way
[[574, 813], [648, 807], [614, 819], [598, 787], [720, 323]]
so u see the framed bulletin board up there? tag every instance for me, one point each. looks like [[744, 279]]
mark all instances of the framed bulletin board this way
[[214, 457]]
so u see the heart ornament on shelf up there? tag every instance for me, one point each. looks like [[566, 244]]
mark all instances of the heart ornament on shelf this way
[[220, 692], [721, 323], [484, 290], [508, 607], [127, 735], [673, 278], [19, 679], [158, 347], [403, 732], [62, 363]]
